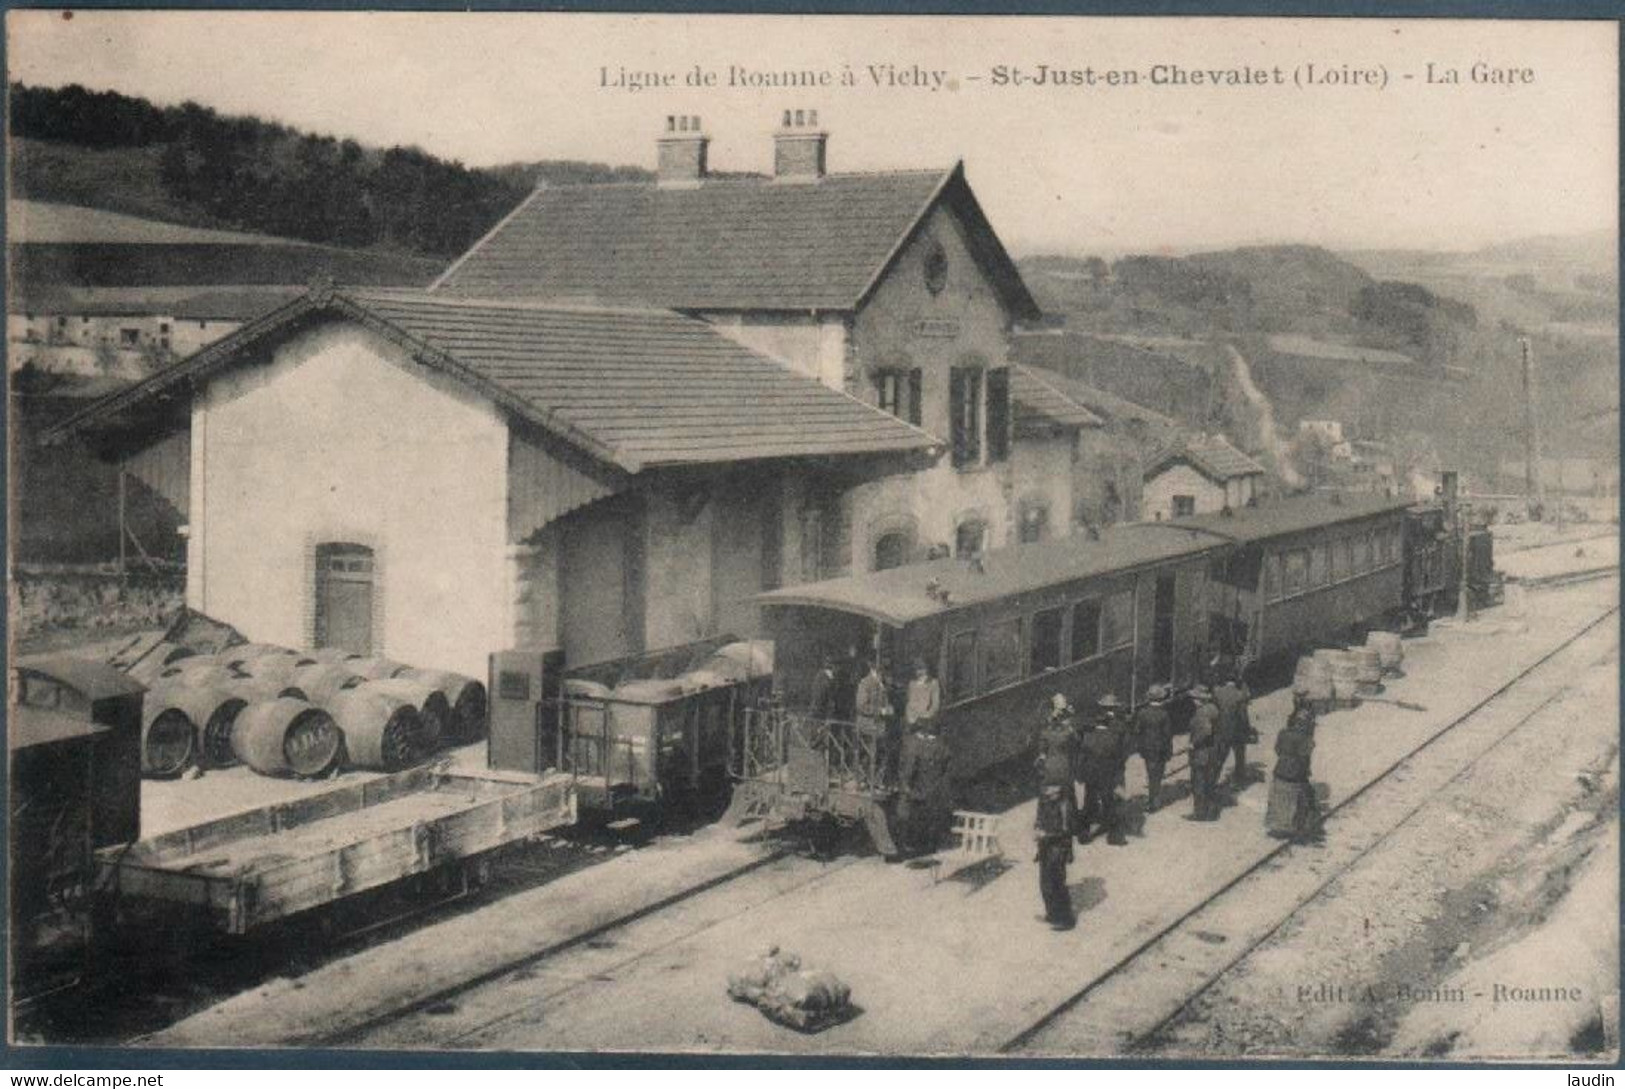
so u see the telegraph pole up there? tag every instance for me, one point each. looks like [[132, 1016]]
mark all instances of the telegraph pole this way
[[1533, 492]]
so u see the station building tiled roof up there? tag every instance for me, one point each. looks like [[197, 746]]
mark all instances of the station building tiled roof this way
[[723, 243]]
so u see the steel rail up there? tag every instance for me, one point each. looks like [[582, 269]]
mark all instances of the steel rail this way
[[1038, 1025]]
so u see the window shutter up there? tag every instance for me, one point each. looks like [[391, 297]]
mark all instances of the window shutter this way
[[914, 413], [998, 415], [956, 413]]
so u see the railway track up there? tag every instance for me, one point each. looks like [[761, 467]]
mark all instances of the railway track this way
[[1193, 946]]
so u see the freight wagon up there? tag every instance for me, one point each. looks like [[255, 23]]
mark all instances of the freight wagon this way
[[245, 871]]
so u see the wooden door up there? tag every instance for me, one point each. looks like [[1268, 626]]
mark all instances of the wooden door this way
[[344, 589]]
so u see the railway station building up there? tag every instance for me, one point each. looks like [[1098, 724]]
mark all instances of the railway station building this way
[[621, 415]]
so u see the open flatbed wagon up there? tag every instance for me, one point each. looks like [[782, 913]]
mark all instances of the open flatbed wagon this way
[[247, 870]]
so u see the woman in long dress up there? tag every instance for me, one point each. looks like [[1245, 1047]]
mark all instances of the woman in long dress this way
[[1293, 810]]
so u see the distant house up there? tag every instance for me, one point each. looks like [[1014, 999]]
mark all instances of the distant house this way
[[1197, 475], [100, 293], [618, 418], [1107, 474]]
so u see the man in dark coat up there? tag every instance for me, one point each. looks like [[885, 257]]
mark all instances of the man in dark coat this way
[[1235, 728], [1153, 737], [1057, 810], [1053, 830], [925, 808], [821, 695], [1205, 754], [1100, 746]]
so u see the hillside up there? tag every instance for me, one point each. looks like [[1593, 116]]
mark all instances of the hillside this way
[[192, 166], [1252, 291]]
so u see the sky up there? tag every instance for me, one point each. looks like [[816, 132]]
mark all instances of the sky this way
[[1528, 148]]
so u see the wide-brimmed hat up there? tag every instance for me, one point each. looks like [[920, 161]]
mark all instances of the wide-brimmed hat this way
[[1201, 692], [1157, 693], [1108, 700]]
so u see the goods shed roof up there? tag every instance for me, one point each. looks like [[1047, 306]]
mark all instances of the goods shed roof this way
[[899, 595], [633, 388], [724, 243]]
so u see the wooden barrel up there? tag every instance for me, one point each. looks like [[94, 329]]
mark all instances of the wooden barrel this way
[[247, 652], [1369, 665], [152, 666], [212, 710], [381, 731], [467, 699], [1313, 677], [278, 668], [431, 704], [1345, 678], [376, 669], [202, 670], [1389, 647], [321, 681], [286, 737], [166, 740]]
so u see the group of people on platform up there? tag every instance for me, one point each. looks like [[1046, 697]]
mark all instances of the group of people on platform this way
[[1093, 751]]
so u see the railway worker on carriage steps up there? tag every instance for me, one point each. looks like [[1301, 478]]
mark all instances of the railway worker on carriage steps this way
[[1057, 811], [872, 719], [1205, 755]]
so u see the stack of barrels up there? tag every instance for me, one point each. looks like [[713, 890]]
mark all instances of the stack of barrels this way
[[1338, 678], [284, 713]]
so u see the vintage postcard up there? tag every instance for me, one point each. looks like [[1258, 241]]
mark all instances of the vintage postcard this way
[[1028, 537]]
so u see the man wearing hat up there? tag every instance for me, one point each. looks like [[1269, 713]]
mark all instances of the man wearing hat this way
[[1235, 727], [1205, 754], [1057, 811], [1101, 750], [1153, 736]]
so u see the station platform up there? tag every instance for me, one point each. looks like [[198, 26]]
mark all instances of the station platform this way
[[938, 963]]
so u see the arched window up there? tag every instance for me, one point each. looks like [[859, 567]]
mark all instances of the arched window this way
[[891, 550], [970, 538], [344, 597]]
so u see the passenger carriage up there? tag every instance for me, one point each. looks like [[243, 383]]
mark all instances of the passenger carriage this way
[[1085, 615], [1304, 572]]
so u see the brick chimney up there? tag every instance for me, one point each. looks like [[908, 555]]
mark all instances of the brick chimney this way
[[682, 152], [798, 147]]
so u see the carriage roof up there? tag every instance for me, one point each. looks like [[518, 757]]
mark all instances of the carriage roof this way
[[899, 596], [1295, 515]]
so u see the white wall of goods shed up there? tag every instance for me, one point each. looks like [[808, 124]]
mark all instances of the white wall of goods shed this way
[[341, 438]]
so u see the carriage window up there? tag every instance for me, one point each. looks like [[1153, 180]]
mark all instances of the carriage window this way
[[1297, 570], [1001, 655], [1362, 553], [1342, 559], [961, 667], [969, 539], [1046, 646], [1085, 630], [1272, 577], [1117, 625], [1319, 565]]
